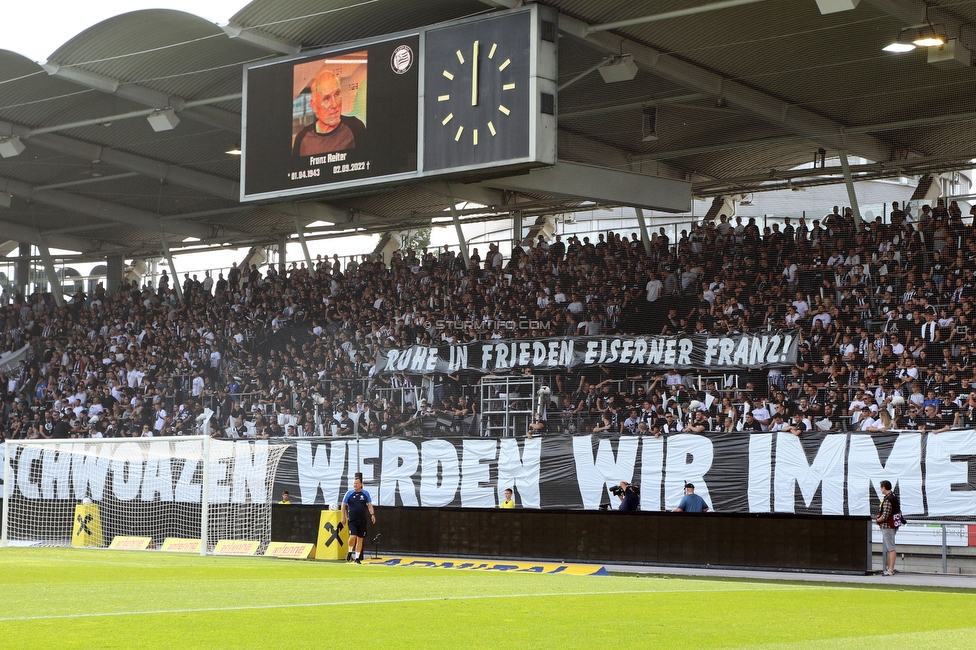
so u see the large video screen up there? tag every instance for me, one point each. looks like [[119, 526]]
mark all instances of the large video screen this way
[[448, 101], [333, 119]]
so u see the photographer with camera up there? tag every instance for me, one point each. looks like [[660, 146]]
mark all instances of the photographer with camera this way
[[629, 496]]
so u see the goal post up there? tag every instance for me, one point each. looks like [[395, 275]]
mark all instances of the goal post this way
[[85, 492]]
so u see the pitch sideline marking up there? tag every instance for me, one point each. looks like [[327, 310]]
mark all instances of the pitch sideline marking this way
[[387, 601]]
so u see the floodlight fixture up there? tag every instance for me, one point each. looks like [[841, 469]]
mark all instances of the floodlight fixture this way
[[11, 146], [649, 124], [163, 119], [833, 6], [621, 68], [928, 36], [898, 48]]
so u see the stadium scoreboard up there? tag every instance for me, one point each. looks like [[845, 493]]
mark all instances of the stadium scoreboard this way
[[457, 99]]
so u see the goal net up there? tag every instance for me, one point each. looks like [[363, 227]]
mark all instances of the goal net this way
[[87, 492]]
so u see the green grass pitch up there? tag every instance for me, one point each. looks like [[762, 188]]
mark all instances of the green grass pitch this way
[[74, 598]]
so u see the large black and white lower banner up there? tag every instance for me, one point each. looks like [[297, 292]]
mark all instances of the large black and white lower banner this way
[[735, 352], [836, 474]]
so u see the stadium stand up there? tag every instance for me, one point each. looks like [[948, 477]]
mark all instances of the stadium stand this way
[[884, 312]]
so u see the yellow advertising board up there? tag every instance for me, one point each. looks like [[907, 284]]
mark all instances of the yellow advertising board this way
[[123, 543], [333, 543], [293, 550], [494, 565], [86, 527], [236, 547], [181, 545]]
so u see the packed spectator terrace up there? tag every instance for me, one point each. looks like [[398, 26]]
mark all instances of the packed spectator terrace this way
[[884, 311]]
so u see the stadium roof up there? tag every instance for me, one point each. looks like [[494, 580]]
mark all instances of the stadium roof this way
[[744, 90]]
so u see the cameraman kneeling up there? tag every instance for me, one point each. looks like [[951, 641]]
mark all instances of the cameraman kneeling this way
[[629, 496]]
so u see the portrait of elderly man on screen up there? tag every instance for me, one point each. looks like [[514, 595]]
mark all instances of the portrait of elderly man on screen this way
[[331, 131]]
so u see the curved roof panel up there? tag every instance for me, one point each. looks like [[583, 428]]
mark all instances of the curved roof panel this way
[[313, 23]]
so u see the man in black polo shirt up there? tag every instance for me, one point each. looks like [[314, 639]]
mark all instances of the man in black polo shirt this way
[[356, 505], [931, 421], [60, 429]]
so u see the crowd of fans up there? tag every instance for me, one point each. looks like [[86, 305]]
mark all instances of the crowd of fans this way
[[883, 310]]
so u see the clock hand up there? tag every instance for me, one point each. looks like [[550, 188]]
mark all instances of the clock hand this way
[[474, 75]]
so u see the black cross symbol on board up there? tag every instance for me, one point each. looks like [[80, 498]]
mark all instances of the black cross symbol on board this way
[[333, 534], [83, 524]]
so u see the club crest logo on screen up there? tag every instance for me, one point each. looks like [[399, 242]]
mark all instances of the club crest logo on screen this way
[[402, 59]]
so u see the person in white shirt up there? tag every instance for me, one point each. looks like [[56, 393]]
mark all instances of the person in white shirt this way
[[897, 348], [868, 423], [575, 306], [654, 287], [761, 414], [789, 271], [160, 421], [802, 306], [96, 408], [847, 349], [908, 371], [823, 316]]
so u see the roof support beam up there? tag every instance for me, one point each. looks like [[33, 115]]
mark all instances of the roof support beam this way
[[161, 171], [311, 211], [912, 167], [452, 204], [20, 232], [261, 39], [601, 185], [502, 4], [52, 274], [669, 15], [165, 172], [301, 238], [617, 108], [208, 115], [468, 192], [776, 111], [101, 209], [579, 148], [145, 112]]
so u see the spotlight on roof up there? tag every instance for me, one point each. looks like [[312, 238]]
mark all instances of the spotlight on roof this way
[[10, 147], [649, 124], [833, 6], [898, 48], [163, 119], [928, 37], [621, 68], [235, 150]]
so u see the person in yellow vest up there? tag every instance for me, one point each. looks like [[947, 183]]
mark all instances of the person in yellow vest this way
[[508, 503], [285, 499]]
